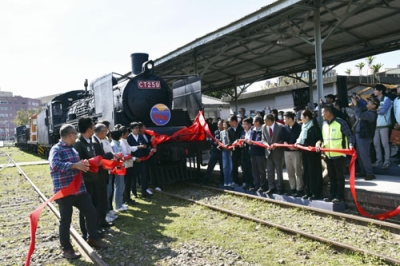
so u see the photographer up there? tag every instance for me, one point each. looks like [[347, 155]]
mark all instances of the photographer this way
[[365, 129]]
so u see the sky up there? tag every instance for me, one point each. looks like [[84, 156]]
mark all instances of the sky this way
[[49, 47]]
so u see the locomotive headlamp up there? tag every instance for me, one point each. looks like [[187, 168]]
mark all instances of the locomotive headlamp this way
[[149, 66]]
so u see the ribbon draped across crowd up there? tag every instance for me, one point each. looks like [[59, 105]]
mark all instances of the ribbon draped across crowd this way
[[196, 132]]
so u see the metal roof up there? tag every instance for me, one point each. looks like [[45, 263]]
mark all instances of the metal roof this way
[[278, 40]]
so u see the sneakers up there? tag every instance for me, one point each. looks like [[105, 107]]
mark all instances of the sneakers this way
[[328, 199], [260, 190], [109, 219], [71, 254], [376, 164], [158, 189], [369, 177], [233, 184], [385, 165], [123, 208], [149, 191]]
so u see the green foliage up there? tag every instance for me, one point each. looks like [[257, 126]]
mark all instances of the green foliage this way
[[23, 116]]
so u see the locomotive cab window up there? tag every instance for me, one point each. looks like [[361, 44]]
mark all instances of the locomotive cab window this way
[[57, 109]]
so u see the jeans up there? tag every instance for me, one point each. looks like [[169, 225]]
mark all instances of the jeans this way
[[119, 186], [84, 204], [227, 166], [382, 136], [363, 155]]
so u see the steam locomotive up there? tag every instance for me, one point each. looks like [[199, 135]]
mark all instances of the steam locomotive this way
[[141, 96]]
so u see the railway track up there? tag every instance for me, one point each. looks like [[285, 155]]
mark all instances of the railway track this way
[[341, 231], [19, 198]]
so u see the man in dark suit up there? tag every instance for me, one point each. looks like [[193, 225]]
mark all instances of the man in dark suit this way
[[139, 167], [100, 133], [235, 131], [272, 133], [85, 148]]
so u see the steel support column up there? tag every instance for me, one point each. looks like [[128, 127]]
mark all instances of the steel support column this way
[[318, 54], [236, 99]]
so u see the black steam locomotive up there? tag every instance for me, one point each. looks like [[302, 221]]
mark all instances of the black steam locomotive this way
[[121, 99]]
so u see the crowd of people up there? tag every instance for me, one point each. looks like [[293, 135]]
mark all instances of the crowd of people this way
[[368, 129], [101, 195]]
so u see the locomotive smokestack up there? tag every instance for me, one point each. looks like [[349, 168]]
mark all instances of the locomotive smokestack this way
[[137, 60]]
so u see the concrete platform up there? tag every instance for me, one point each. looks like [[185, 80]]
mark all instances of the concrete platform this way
[[320, 204], [376, 196]]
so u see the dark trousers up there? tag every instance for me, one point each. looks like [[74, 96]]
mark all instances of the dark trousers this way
[[236, 159], [336, 170], [98, 194], [139, 172], [312, 173], [215, 156], [128, 179], [84, 204], [363, 155], [151, 169], [246, 168], [258, 164]]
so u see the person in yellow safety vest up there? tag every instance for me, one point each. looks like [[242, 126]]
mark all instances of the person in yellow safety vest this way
[[336, 134]]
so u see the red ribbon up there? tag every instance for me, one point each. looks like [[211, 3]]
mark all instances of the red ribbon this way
[[114, 166], [352, 168], [196, 132]]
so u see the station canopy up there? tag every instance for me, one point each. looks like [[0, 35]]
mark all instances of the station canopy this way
[[279, 39]]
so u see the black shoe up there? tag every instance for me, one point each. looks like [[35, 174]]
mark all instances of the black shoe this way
[[279, 192], [291, 193], [306, 196], [369, 177], [252, 189], [336, 200], [71, 254], [298, 194], [360, 175], [313, 197], [328, 199], [95, 243], [107, 224], [271, 191], [146, 195], [260, 190]]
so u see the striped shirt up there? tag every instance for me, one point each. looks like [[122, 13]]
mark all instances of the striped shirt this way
[[61, 158]]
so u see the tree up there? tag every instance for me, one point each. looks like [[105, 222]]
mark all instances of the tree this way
[[348, 72], [23, 116], [369, 60], [360, 67], [375, 71]]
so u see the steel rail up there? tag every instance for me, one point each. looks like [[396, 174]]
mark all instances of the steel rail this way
[[83, 245], [394, 228], [333, 243]]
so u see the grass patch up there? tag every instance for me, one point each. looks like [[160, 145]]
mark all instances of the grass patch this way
[[18, 155]]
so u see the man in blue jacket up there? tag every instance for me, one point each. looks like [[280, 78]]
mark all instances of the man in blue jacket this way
[[383, 125]]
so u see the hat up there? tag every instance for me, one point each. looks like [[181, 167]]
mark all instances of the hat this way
[[330, 96], [375, 101]]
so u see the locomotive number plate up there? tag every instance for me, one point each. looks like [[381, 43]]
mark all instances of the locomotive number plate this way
[[149, 84]]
